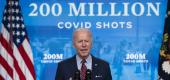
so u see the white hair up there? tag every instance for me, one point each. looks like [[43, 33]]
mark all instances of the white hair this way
[[82, 29]]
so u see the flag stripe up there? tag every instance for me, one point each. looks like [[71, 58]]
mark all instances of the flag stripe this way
[[27, 49], [18, 70], [4, 74], [24, 68], [6, 45], [15, 76], [1, 78], [9, 50], [5, 64], [28, 74], [5, 33], [27, 60], [6, 56]]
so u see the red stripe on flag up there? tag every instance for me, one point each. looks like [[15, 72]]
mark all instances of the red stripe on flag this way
[[6, 66], [1, 78], [20, 73], [6, 45], [27, 60], [8, 48]]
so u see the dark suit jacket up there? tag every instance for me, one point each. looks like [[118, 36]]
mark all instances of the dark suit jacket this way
[[67, 68]]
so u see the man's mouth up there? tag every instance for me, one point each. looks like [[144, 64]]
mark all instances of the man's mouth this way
[[83, 50]]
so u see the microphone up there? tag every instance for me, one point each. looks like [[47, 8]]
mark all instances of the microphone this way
[[77, 75], [88, 74]]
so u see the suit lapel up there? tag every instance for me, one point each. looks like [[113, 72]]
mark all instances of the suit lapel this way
[[74, 64], [71, 68], [94, 67]]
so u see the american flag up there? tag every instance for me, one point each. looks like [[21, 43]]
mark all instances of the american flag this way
[[16, 58]]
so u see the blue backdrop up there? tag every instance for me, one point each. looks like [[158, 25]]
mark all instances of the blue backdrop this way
[[129, 42]]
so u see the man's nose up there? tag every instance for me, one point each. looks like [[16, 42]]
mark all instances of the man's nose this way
[[83, 44]]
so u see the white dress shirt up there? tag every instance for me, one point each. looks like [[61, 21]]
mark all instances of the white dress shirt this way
[[88, 62]]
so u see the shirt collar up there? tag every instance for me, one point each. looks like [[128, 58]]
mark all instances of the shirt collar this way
[[88, 61]]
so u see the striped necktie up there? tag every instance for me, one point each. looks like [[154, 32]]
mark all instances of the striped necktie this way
[[83, 69]]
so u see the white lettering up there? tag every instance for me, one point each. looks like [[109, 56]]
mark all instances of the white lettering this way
[[153, 8], [81, 9]]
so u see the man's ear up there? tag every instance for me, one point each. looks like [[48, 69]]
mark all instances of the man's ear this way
[[73, 44], [92, 43]]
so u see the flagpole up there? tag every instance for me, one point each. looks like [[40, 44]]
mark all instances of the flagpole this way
[[10, 29], [10, 21]]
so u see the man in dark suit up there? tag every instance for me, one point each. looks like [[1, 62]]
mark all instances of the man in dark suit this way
[[83, 61]]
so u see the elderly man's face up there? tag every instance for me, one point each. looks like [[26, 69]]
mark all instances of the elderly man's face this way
[[82, 43]]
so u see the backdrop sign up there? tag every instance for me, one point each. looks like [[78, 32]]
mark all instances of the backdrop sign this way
[[127, 34]]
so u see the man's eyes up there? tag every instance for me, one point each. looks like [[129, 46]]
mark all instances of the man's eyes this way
[[83, 40], [79, 41], [86, 41]]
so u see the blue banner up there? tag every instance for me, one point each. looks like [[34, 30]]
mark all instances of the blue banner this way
[[126, 33]]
